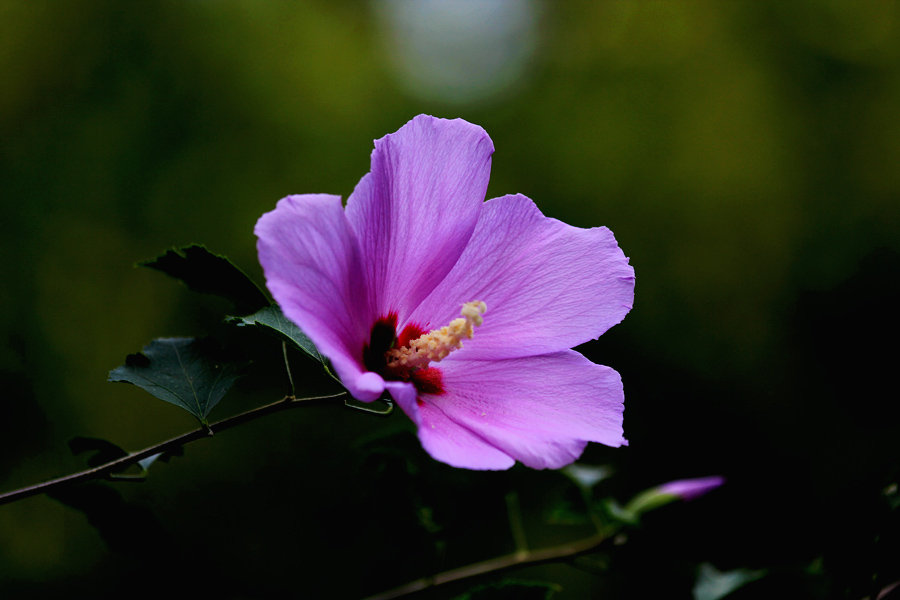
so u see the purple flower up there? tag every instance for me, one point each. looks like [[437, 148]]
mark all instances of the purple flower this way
[[464, 311], [680, 489], [688, 489]]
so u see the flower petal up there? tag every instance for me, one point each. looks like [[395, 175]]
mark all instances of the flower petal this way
[[540, 410], [443, 439], [414, 212], [548, 286], [311, 261]]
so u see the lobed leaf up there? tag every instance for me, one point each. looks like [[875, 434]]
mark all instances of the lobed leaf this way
[[128, 529], [208, 273], [183, 371], [272, 318], [103, 451]]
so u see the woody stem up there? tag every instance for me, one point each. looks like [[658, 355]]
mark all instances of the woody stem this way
[[118, 464]]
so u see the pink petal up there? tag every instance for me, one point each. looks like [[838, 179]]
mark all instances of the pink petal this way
[[443, 439], [414, 212], [548, 286], [540, 410], [311, 261]]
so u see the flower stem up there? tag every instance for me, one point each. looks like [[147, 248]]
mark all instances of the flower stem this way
[[496, 565], [106, 469], [516, 526]]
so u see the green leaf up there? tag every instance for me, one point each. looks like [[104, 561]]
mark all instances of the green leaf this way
[[713, 584], [587, 476], [272, 318], [161, 457], [145, 464], [892, 493], [183, 371], [208, 273], [562, 511], [614, 513]]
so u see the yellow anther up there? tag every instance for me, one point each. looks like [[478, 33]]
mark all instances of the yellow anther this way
[[438, 343]]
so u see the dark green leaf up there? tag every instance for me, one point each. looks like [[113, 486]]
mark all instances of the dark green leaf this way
[[564, 512], [103, 451], [208, 273], [614, 514], [184, 371], [272, 318], [129, 530]]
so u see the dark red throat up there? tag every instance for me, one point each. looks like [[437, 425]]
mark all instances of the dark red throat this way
[[383, 338]]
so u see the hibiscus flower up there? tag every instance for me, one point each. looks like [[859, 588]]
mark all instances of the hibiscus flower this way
[[463, 311]]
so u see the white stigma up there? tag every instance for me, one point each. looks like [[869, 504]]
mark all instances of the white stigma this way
[[438, 343]]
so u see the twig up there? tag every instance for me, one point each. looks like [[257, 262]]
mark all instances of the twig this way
[[496, 565], [115, 465], [287, 367]]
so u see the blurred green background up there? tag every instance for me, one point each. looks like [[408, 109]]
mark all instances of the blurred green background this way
[[745, 154]]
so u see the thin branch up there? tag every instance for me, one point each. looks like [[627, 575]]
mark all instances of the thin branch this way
[[287, 367], [496, 565], [106, 469]]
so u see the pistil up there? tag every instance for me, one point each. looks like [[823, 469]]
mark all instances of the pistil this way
[[435, 345]]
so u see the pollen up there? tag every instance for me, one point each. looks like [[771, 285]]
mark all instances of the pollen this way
[[435, 345]]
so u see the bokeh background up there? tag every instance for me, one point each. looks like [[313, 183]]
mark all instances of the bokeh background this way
[[745, 154]]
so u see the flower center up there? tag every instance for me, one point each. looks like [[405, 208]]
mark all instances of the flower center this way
[[435, 345]]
